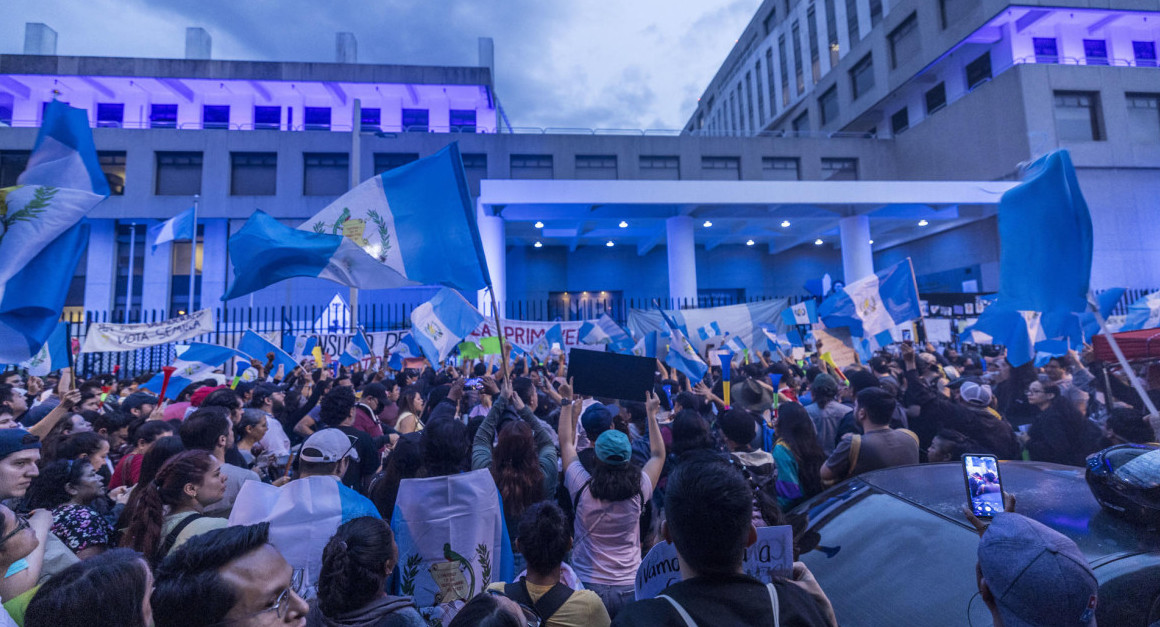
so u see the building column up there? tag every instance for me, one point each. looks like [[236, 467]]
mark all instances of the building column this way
[[857, 256], [682, 251], [493, 234], [214, 263], [101, 265], [157, 278]]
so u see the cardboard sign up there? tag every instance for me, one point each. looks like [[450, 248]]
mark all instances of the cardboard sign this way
[[838, 343], [771, 556], [624, 377]]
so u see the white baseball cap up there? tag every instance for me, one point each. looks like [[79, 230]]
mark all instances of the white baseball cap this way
[[328, 446]]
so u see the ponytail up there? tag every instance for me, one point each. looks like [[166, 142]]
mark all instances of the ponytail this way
[[353, 565], [143, 533]]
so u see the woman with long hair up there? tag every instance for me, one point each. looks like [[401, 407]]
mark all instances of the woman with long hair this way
[[68, 488], [798, 456], [355, 565], [167, 511], [250, 430], [608, 503], [1058, 433], [410, 408], [404, 462], [109, 589], [142, 436]]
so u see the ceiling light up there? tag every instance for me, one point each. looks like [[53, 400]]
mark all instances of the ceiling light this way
[[818, 242], [623, 224], [871, 242], [539, 244], [923, 223], [609, 244], [749, 243], [539, 225], [785, 224], [707, 224]]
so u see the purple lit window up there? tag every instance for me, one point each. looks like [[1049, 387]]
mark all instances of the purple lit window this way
[[1046, 50], [372, 120], [415, 120], [6, 106], [463, 120], [110, 115], [1095, 51], [1145, 52], [267, 118], [163, 116], [215, 116], [317, 118]]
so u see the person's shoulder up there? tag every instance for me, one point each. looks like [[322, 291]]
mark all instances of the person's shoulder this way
[[797, 607], [204, 524], [648, 613], [242, 474], [355, 505]]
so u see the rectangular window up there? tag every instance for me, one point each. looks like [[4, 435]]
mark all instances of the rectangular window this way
[[900, 121], [862, 76], [1077, 116], [828, 105], [952, 11], [163, 116], [385, 161], [743, 107], [475, 167], [660, 168], [1144, 118], [463, 120], [178, 173], [531, 166], [7, 103], [268, 118], [749, 101], [852, 21], [317, 118], [832, 32], [875, 13], [179, 274], [325, 173], [76, 285], [801, 124], [110, 114], [215, 117], [769, 80], [780, 168], [371, 119], [904, 41], [721, 168], [812, 35], [734, 119], [130, 238], [979, 70], [770, 21], [113, 165], [760, 94], [1095, 51], [840, 169], [12, 163], [253, 173], [936, 98], [783, 63], [798, 46], [590, 167], [415, 120], [1046, 50], [1145, 53]]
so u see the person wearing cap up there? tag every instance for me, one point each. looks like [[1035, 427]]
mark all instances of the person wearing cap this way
[[608, 503], [594, 421], [1030, 575], [19, 455], [826, 411], [740, 430]]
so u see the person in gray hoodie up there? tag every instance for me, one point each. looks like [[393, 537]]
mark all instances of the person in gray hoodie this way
[[355, 565]]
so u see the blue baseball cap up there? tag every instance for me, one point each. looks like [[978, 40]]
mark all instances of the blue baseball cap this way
[[16, 440], [613, 448], [596, 419]]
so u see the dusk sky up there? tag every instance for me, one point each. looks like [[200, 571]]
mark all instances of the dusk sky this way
[[574, 63]]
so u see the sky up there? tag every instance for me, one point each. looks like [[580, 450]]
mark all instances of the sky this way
[[634, 64]]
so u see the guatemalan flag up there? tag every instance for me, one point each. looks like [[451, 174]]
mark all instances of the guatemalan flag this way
[[1143, 314], [197, 362], [1106, 301], [407, 348], [357, 349], [439, 324], [709, 330], [52, 356], [413, 225], [734, 344], [257, 347], [683, 356], [803, 313], [876, 303], [180, 227], [554, 336], [42, 236], [653, 344]]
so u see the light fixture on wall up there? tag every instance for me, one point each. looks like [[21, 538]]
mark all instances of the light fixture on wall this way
[[785, 224], [539, 225], [818, 242], [707, 224], [923, 222], [539, 244], [623, 224], [609, 243], [749, 243]]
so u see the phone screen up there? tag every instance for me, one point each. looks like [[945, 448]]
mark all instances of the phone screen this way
[[668, 393], [984, 490], [906, 335]]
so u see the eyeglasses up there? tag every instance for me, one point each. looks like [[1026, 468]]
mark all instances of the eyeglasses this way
[[533, 619], [21, 525], [280, 605]]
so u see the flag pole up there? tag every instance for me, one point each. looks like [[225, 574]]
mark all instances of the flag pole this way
[[132, 267], [355, 179], [503, 362], [920, 324], [1136, 383], [193, 257]]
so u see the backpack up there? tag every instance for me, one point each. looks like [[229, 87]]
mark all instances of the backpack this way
[[549, 603]]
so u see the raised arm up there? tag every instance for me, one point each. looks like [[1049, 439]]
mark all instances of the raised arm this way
[[656, 460], [67, 401], [485, 435], [569, 414]]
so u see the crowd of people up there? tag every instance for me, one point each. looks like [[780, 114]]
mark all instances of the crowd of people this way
[[116, 505]]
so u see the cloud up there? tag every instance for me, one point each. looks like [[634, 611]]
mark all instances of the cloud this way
[[584, 63]]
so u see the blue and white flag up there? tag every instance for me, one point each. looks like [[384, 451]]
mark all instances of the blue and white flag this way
[[683, 356], [1106, 301], [803, 313], [734, 344], [180, 227], [709, 330], [1025, 333], [651, 345], [198, 361], [439, 324], [875, 303], [357, 349], [407, 348], [554, 336], [42, 236], [52, 356], [255, 346], [1143, 314], [589, 333], [299, 346], [742, 320]]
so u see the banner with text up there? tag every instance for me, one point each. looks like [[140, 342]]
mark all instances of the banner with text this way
[[525, 333], [108, 337], [771, 556]]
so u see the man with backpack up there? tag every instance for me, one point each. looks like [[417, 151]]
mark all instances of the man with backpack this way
[[879, 446]]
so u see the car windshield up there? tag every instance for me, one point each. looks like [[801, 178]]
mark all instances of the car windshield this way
[[917, 565]]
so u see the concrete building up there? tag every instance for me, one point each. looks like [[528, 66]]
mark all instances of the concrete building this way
[[896, 145]]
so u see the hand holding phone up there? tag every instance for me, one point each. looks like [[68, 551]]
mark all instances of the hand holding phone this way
[[984, 487]]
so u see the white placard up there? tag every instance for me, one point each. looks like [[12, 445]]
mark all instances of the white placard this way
[[771, 556], [108, 337]]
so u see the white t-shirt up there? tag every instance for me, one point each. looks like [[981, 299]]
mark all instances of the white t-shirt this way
[[275, 441], [606, 535]]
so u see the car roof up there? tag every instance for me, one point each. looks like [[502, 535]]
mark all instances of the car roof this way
[[1055, 495]]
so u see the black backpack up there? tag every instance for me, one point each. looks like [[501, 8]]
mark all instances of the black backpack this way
[[549, 603]]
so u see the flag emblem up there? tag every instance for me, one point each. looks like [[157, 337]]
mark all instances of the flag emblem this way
[[869, 306], [41, 198], [433, 331]]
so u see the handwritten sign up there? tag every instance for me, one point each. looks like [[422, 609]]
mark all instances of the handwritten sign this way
[[108, 337], [771, 556]]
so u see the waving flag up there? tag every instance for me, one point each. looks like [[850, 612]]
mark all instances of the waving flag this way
[[589, 333], [709, 330], [1106, 301], [42, 236], [299, 346], [684, 357], [554, 336], [182, 226], [357, 349], [805, 312], [413, 225], [734, 344], [255, 346], [52, 356], [651, 345], [439, 324], [1144, 313], [407, 348], [195, 363], [875, 303]]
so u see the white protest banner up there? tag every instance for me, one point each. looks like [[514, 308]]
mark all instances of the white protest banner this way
[[771, 556], [108, 337], [524, 333], [334, 344]]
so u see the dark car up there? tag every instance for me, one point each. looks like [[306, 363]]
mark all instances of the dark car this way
[[892, 547]]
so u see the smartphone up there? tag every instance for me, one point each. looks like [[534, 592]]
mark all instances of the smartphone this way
[[907, 336], [984, 487], [473, 384], [668, 393]]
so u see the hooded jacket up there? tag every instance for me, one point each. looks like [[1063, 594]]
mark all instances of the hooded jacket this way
[[386, 611]]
